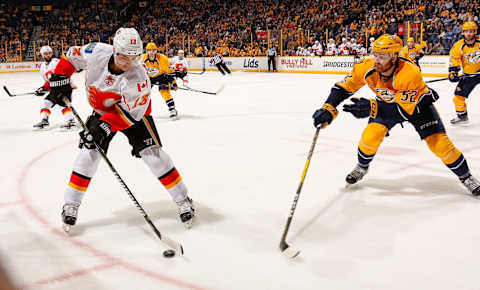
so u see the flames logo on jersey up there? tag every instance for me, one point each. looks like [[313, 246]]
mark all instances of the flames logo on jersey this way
[[109, 81], [102, 100], [473, 57]]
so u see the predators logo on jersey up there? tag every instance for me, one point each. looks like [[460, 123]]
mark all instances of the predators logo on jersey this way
[[405, 88], [473, 57], [157, 66]]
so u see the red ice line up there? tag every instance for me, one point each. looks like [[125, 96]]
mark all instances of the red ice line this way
[[109, 260]]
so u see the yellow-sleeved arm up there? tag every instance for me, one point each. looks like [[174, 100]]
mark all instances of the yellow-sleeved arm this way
[[356, 80], [419, 48], [164, 64], [456, 54], [404, 52]]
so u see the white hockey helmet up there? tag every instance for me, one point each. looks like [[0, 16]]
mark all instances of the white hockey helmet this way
[[127, 41], [44, 49], [181, 51]]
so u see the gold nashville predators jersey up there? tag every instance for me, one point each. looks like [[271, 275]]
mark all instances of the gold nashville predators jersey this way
[[157, 66], [466, 56], [405, 88], [411, 53]]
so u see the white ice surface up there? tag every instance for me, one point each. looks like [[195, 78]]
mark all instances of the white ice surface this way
[[409, 224]]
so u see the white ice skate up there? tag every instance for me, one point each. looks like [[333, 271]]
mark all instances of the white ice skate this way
[[472, 184], [173, 115], [460, 120], [186, 212], [43, 124], [69, 125], [69, 215], [357, 174]]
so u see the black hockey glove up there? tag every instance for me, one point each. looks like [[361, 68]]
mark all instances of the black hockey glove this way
[[362, 108], [453, 74], [180, 74], [98, 132], [60, 88], [174, 85], [428, 99], [40, 91], [324, 116]]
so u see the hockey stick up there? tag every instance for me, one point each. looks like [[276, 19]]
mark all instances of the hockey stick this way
[[204, 92], [443, 79], [169, 242], [16, 95], [437, 80], [286, 249]]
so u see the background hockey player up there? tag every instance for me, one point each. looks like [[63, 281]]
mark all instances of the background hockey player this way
[[118, 90], [160, 73], [46, 69], [180, 65], [465, 54], [408, 99], [412, 51]]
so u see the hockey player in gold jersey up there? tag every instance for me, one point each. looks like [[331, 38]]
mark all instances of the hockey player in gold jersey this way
[[413, 52], [161, 75], [465, 55], [401, 96]]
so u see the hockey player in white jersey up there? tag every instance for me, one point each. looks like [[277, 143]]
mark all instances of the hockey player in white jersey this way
[[331, 47], [317, 48], [46, 69], [180, 66], [118, 90]]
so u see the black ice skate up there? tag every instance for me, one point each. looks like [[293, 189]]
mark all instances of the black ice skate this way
[[460, 119], [173, 114], [186, 212], [69, 125], [69, 215], [357, 174], [42, 124], [472, 184]]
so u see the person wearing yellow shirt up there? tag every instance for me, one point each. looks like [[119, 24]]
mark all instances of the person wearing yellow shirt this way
[[412, 51], [401, 95], [465, 55], [161, 75]]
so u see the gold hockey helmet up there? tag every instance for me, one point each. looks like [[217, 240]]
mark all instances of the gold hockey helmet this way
[[151, 46], [388, 43], [469, 25]]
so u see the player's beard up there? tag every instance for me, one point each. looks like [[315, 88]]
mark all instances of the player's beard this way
[[469, 39], [385, 66]]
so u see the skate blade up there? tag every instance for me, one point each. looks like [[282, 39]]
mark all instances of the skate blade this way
[[464, 124], [188, 224], [66, 228], [174, 118]]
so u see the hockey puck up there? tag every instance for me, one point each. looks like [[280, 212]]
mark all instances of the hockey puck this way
[[168, 253]]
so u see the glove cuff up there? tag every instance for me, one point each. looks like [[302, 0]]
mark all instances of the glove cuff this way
[[331, 109], [373, 108]]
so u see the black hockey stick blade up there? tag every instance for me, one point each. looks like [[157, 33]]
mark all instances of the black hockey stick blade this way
[[6, 90]]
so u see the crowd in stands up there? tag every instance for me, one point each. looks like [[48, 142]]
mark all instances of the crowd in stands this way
[[235, 28]]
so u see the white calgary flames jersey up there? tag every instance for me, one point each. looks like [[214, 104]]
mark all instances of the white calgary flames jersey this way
[[127, 94], [46, 69], [331, 49], [179, 64]]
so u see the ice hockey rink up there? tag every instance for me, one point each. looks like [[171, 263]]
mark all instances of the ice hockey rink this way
[[410, 224]]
